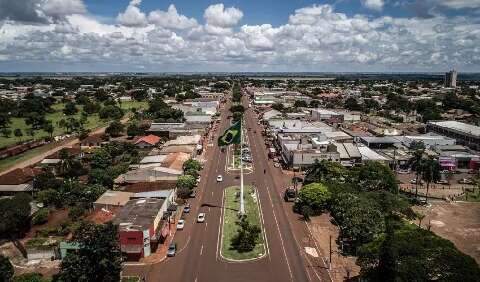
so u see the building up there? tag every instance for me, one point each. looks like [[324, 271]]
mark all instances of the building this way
[[112, 200], [451, 79], [464, 133], [147, 141], [92, 142], [17, 181], [141, 226], [429, 140]]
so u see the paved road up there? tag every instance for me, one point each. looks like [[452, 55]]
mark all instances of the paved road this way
[[198, 258]]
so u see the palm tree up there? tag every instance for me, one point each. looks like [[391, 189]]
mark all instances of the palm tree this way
[[416, 166], [430, 172]]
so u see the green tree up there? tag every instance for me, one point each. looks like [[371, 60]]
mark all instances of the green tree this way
[[247, 236], [48, 128], [430, 169], [101, 158], [314, 195], [50, 197], [326, 171], [192, 167], [374, 176], [300, 104], [14, 215], [352, 104], [6, 132], [99, 257], [115, 128], [70, 109], [18, 133], [279, 107], [41, 216], [6, 269], [186, 182], [30, 277], [413, 254], [134, 130]]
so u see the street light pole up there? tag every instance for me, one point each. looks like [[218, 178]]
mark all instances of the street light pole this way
[[242, 207]]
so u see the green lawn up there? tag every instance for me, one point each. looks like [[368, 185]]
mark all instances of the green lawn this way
[[471, 195], [230, 216], [93, 121]]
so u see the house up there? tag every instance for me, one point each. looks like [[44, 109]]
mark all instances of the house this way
[[18, 180], [112, 200], [147, 141], [141, 226], [149, 174], [55, 158], [92, 142]]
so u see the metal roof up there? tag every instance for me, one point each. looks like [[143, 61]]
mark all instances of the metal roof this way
[[458, 126]]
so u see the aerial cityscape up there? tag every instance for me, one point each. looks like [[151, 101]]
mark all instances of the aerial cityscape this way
[[146, 140]]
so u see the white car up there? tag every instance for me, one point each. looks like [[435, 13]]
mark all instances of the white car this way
[[180, 224], [219, 178], [276, 164], [201, 217]]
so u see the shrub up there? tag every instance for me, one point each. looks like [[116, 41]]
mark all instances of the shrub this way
[[41, 216]]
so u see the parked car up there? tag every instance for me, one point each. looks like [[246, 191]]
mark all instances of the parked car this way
[[193, 194], [201, 217], [172, 250], [442, 181], [219, 178], [186, 209], [465, 181], [414, 181], [180, 224], [276, 165], [198, 179]]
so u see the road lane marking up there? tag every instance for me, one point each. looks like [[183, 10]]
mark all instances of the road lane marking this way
[[201, 250], [280, 234], [220, 226]]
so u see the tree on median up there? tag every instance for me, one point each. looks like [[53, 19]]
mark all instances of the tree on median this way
[[247, 236]]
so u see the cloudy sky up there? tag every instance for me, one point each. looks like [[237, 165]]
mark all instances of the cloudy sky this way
[[239, 35]]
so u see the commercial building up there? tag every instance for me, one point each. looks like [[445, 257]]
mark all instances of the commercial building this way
[[451, 79], [464, 133], [142, 226]]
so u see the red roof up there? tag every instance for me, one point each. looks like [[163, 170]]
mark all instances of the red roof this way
[[150, 139], [19, 176]]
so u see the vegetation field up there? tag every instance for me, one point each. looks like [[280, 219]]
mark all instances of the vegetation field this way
[[230, 217], [93, 121]]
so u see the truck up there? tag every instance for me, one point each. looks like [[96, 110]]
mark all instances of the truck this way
[[290, 194]]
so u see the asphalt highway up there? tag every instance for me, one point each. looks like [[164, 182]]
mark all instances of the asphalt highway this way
[[198, 257]]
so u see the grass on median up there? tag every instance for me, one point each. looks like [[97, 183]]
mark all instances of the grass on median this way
[[230, 217]]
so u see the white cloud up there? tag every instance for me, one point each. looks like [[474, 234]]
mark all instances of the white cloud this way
[[459, 4], [216, 15], [376, 5], [315, 38], [171, 19], [132, 15], [61, 8]]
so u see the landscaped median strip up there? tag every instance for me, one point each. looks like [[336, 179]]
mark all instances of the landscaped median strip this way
[[231, 204]]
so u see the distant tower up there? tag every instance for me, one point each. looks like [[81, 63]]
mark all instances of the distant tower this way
[[451, 79]]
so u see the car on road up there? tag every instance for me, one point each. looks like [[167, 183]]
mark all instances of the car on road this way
[[180, 224], [199, 179], [172, 250], [186, 209], [442, 181], [276, 165], [219, 178], [201, 217], [193, 194]]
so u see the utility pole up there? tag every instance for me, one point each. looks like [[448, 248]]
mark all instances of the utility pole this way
[[330, 264]]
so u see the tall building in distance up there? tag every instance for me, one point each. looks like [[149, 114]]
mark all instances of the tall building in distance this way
[[451, 79]]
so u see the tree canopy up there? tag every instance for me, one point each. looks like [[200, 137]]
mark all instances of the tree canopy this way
[[314, 195]]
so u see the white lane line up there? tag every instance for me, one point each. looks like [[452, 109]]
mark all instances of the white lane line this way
[[201, 250], [280, 234], [220, 225], [196, 279]]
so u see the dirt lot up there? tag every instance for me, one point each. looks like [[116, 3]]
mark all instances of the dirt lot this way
[[342, 266], [458, 222]]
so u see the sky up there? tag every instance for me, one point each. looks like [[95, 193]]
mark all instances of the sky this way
[[239, 36]]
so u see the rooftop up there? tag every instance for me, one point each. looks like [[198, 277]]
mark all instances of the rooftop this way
[[138, 214], [150, 139], [111, 197], [458, 126]]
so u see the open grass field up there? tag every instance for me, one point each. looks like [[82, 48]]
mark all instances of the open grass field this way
[[93, 121], [230, 217]]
